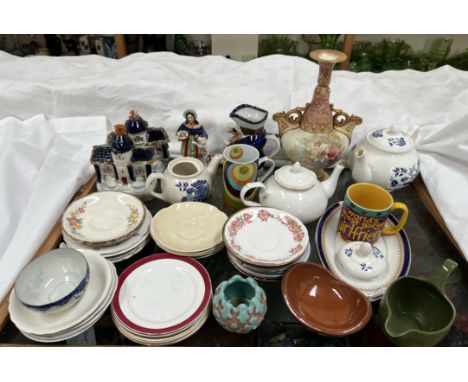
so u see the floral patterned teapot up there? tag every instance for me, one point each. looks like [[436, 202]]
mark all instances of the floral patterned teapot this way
[[317, 135], [386, 157]]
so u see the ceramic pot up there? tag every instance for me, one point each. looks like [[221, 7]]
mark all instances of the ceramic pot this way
[[317, 135], [239, 304], [415, 311], [295, 189], [186, 179], [385, 157]]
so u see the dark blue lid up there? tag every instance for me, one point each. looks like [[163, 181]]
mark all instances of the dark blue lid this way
[[120, 143]]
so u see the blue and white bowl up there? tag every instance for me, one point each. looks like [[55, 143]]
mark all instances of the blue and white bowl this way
[[54, 281]]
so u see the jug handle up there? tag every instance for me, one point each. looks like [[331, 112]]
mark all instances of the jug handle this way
[[439, 278], [247, 188], [150, 184]]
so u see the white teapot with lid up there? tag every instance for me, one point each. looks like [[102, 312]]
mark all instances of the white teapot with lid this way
[[297, 190], [385, 157]]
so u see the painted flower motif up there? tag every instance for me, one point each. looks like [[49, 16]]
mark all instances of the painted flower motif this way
[[75, 222], [333, 153], [348, 252], [132, 219], [299, 236], [377, 133], [238, 223], [377, 253], [296, 249], [263, 215], [399, 141], [365, 267]]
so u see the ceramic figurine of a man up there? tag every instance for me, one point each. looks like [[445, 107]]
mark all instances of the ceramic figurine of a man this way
[[193, 136]]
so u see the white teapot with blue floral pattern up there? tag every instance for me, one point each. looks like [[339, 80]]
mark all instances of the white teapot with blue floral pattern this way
[[385, 157]]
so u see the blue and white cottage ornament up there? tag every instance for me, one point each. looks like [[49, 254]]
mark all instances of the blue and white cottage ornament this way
[[386, 157], [239, 304], [133, 152]]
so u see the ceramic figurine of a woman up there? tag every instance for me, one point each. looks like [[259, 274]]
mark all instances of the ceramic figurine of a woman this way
[[192, 136]]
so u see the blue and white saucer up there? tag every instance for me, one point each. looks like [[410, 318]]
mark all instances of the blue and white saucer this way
[[395, 247]]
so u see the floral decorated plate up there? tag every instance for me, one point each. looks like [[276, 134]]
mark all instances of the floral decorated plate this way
[[188, 227], [103, 218], [395, 248], [265, 236]]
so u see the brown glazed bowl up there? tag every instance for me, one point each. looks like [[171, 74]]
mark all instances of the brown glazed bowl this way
[[323, 303]]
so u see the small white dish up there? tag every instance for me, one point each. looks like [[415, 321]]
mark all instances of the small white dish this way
[[396, 248], [188, 227], [265, 236], [103, 218], [54, 281], [47, 323], [83, 326]]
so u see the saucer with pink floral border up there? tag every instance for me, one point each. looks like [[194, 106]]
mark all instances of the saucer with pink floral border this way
[[265, 236]]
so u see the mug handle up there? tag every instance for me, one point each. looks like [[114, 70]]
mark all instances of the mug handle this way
[[150, 184], [440, 277], [277, 142], [399, 227], [269, 170], [247, 188]]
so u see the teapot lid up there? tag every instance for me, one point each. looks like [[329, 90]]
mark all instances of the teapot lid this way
[[391, 140], [295, 177]]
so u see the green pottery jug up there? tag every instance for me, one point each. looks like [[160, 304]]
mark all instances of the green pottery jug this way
[[415, 311]]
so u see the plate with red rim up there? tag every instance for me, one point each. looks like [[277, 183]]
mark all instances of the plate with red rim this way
[[161, 294], [265, 236]]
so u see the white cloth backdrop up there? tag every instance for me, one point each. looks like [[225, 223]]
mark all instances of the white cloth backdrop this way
[[161, 86], [42, 164]]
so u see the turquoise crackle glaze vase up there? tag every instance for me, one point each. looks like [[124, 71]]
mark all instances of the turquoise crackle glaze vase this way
[[239, 305]]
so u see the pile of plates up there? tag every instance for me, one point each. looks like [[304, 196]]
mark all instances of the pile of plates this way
[[190, 229], [113, 223], [265, 242], [162, 299], [58, 326]]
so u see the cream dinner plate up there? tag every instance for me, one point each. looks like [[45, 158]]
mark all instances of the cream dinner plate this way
[[395, 247], [103, 218], [188, 227], [161, 293], [48, 323], [265, 236]]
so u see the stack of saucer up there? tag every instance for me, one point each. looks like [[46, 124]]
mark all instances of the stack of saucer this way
[[162, 299], [190, 229], [55, 326], [113, 223], [265, 242]]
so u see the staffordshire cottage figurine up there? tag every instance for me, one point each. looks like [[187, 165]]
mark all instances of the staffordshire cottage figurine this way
[[124, 165], [192, 136]]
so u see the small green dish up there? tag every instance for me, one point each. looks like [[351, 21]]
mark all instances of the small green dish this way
[[415, 311]]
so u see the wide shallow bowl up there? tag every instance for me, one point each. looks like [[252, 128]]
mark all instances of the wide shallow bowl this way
[[188, 227], [324, 303], [54, 281]]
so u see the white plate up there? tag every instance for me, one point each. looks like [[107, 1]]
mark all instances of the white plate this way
[[265, 236], [262, 274], [195, 255], [396, 247], [169, 340], [39, 323], [83, 326], [131, 253], [188, 227], [118, 249], [103, 217], [161, 293]]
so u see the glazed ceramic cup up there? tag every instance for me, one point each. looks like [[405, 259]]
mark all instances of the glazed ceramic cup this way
[[365, 210], [415, 311], [241, 166]]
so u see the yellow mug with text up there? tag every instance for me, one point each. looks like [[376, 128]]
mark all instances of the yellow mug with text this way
[[366, 207]]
